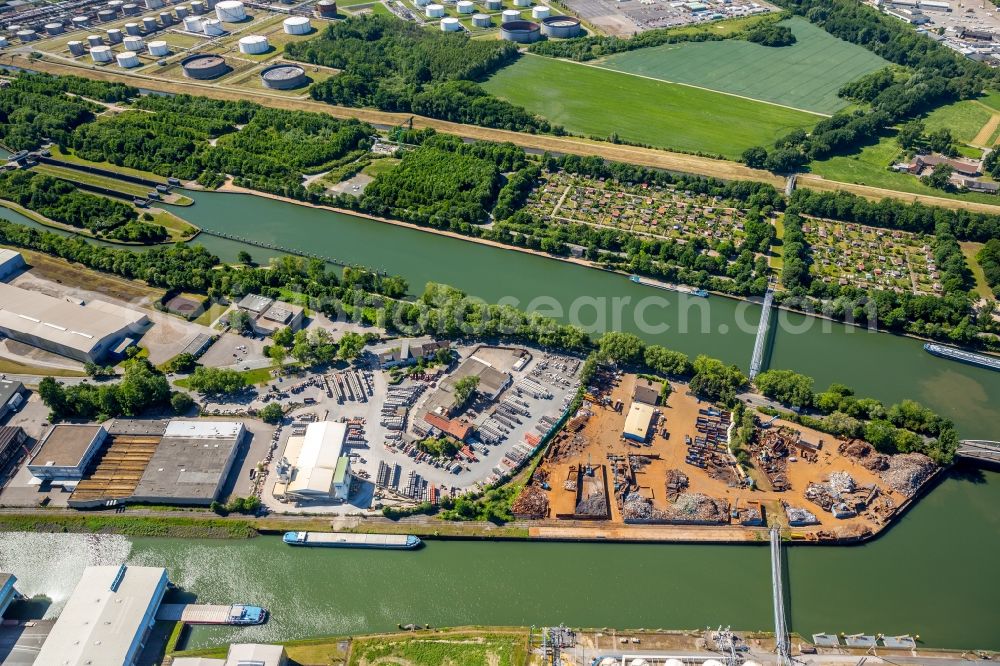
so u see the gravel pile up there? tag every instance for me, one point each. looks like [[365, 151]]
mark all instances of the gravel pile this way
[[908, 471]]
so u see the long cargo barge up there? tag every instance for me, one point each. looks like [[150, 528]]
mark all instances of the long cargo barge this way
[[349, 540], [962, 356], [690, 291]]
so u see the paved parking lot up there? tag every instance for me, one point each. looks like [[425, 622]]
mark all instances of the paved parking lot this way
[[20, 644]]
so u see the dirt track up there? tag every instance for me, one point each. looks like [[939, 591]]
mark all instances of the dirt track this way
[[649, 157]]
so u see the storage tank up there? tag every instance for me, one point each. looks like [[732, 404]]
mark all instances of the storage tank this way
[[326, 9], [212, 27], [204, 66], [540, 12], [422, 3], [101, 53], [154, 4], [158, 48], [522, 32], [297, 25], [132, 29], [482, 20], [562, 27], [210, 4], [130, 9], [75, 47], [149, 24], [510, 15], [134, 43], [198, 7], [116, 5], [193, 24], [434, 11], [465, 7], [522, 3], [254, 44], [450, 24], [55, 28], [114, 36], [181, 11], [128, 59], [106, 15], [166, 19], [3, 42], [230, 11], [27, 35], [284, 77], [94, 40], [494, 5], [80, 22]]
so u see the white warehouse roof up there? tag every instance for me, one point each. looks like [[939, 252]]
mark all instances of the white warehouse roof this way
[[204, 429], [317, 457], [105, 618]]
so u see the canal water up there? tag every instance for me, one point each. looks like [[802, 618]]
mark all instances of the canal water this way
[[933, 574]]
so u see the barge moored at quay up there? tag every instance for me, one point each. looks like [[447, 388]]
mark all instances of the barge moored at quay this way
[[972, 358], [349, 540]]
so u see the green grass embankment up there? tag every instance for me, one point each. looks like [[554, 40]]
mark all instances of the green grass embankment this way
[[134, 526]]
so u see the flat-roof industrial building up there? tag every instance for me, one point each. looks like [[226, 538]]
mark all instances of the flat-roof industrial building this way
[[270, 315], [7, 591], [638, 421], [65, 451], [10, 262], [11, 396], [107, 618], [318, 469], [241, 654], [85, 333]]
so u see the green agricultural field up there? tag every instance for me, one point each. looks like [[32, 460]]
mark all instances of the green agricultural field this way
[[599, 102], [805, 75]]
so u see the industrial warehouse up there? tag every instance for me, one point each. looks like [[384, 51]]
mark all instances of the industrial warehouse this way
[[314, 467]]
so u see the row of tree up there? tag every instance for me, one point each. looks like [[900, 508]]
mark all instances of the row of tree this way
[[989, 259]]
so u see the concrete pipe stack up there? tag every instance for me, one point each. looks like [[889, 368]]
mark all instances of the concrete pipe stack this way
[[434, 11], [114, 36], [149, 24], [76, 47], [326, 9], [193, 24], [134, 44], [465, 7], [450, 24], [181, 11], [132, 29], [101, 53], [128, 59], [297, 25], [55, 28], [158, 48], [154, 4], [213, 27], [230, 11], [253, 44], [80, 22], [94, 40], [131, 9], [540, 12], [481, 20]]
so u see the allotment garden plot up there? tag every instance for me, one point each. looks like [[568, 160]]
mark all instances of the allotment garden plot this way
[[853, 254], [653, 211]]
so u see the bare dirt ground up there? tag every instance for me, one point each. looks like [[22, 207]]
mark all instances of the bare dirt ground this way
[[982, 138]]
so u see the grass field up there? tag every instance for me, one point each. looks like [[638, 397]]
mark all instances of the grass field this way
[[471, 648], [871, 165], [805, 75], [598, 102], [970, 250]]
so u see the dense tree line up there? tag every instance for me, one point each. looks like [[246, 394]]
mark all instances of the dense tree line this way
[[989, 258], [770, 34], [966, 225], [399, 66], [796, 255], [61, 201], [933, 75], [29, 116], [142, 386], [956, 277]]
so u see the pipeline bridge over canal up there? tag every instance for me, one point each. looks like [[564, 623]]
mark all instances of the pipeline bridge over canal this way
[[763, 328], [291, 251], [781, 641], [979, 449]]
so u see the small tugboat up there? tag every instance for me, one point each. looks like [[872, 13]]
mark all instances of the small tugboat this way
[[349, 540], [242, 614]]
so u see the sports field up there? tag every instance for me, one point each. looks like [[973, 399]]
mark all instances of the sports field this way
[[598, 102], [805, 75]]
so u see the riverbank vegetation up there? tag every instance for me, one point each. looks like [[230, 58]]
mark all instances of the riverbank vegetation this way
[[134, 526]]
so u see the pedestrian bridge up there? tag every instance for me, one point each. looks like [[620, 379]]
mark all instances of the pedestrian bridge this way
[[979, 449]]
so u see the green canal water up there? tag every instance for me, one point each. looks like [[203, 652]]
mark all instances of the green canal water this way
[[934, 573]]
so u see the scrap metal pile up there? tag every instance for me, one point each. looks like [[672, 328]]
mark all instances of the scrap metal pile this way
[[531, 503], [865, 454], [696, 507], [676, 482], [908, 471], [594, 505], [771, 449]]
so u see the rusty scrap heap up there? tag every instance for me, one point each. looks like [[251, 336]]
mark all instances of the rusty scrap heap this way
[[531, 503], [908, 471], [864, 453], [698, 508], [676, 482]]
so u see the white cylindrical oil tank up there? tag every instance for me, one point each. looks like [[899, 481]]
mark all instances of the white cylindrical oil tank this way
[[193, 24], [198, 7], [297, 25], [210, 4], [422, 3], [254, 44], [165, 19], [149, 24], [80, 21], [94, 40], [127, 59], [132, 29], [510, 15], [116, 5], [55, 28], [434, 11], [101, 53], [540, 12], [75, 47], [465, 7], [3, 42], [106, 15], [158, 48], [481, 20], [114, 36], [522, 3], [181, 11], [133, 43], [494, 5], [154, 4], [212, 27], [450, 24], [230, 11], [27, 35]]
